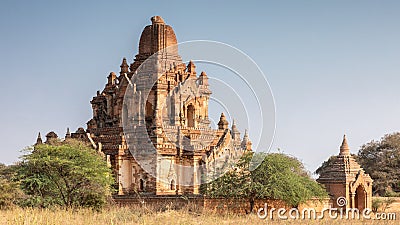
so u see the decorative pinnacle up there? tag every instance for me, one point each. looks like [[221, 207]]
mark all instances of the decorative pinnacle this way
[[234, 127], [157, 20], [344, 148], [124, 66], [246, 135], [68, 134], [223, 123], [191, 68], [39, 139], [246, 143]]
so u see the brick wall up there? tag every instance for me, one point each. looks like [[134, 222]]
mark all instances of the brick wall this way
[[218, 205]]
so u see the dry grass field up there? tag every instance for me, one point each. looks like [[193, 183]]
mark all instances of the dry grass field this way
[[125, 215]]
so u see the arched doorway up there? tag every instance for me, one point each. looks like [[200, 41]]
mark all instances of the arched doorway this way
[[360, 198], [141, 185], [190, 116]]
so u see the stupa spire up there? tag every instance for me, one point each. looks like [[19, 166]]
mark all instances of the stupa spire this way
[[223, 123], [124, 66], [344, 148], [68, 134], [39, 139]]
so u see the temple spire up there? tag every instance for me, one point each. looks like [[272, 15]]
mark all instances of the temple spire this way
[[203, 78], [68, 134], [234, 127], [246, 136], [233, 123], [124, 66], [344, 148], [223, 123], [235, 131], [39, 139], [191, 69], [246, 143]]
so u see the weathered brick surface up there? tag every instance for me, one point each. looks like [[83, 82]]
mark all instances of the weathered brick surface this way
[[216, 205]]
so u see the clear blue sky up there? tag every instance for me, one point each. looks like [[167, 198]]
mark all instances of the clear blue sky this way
[[333, 66]]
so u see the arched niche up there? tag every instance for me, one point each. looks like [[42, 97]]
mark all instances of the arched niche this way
[[190, 115]]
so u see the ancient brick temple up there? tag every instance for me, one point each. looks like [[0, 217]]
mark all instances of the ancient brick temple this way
[[344, 177], [151, 121]]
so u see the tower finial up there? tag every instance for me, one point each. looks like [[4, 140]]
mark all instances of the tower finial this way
[[191, 68], [223, 123], [39, 140], [235, 131], [203, 78], [124, 66], [246, 135], [157, 20], [246, 143], [68, 134], [234, 127], [344, 148]]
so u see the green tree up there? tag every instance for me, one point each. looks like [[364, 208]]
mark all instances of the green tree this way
[[66, 174], [278, 176], [381, 160], [10, 193]]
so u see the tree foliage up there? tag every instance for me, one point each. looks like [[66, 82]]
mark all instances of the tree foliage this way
[[68, 175], [10, 193], [279, 176], [381, 160]]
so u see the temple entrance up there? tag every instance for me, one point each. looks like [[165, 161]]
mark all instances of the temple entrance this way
[[190, 116], [360, 198]]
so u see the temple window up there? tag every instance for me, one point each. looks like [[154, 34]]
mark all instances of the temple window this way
[[190, 116], [149, 109], [141, 185]]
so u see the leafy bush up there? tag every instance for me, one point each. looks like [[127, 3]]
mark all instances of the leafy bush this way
[[66, 174], [10, 193], [279, 176]]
